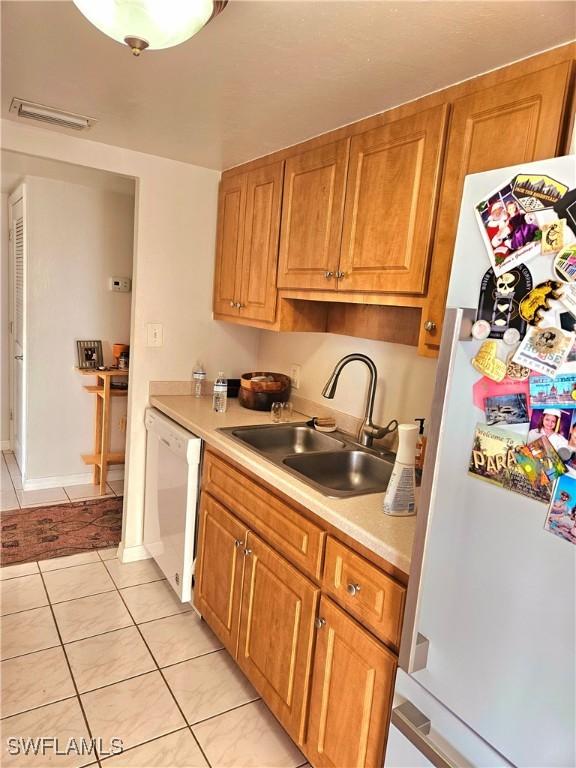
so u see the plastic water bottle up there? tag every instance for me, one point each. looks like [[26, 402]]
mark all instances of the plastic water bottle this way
[[198, 379], [220, 393]]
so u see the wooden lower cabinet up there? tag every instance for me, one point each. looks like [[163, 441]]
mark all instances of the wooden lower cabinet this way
[[352, 689], [327, 679], [277, 633], [218, 583]]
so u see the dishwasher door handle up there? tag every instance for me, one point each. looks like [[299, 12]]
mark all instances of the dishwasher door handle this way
[[415, 726]]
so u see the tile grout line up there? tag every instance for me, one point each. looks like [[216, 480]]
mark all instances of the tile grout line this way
[[40, 706], [70, 669], [165, 681], [29, 653], [5, 464]]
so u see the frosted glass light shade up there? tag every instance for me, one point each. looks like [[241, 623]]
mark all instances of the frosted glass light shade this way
[[160, 23]]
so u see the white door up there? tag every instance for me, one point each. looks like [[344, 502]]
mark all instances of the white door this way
[[17, 324]]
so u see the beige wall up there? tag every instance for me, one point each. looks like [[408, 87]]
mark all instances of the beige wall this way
[[4, 337], [78, 237], [405, 380], [173, 271]]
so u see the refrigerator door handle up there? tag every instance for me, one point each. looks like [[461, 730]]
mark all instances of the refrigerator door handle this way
[[415, 726], [458, 323]]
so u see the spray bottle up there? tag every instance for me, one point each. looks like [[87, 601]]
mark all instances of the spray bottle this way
[[399, 498]]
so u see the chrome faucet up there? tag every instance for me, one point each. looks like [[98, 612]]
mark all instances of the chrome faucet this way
[[369, 431]]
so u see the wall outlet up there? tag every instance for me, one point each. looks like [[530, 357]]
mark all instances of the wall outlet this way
[[155, 333], [295, 371]]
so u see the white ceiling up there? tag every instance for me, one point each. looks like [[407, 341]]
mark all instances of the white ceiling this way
[[15, 166], [264, 75]]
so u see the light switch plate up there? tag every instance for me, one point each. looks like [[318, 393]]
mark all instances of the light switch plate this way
[[155, 334]]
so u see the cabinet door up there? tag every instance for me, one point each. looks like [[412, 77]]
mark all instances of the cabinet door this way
[[391, 195], [260, 249], [218, 585], [276, 633], [514, 122], [313, 203], [351, 698], [230, 235]]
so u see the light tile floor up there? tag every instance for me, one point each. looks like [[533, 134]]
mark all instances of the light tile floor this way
[[96, 649], [12, 497]]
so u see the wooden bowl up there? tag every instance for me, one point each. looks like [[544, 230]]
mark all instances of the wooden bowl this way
[[263, 381], [260, 394]]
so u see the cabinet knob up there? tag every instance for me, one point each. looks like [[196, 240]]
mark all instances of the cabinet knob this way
[[353, 589], [232, 304], [429, 326], [247, 552], [240, 305], [238, 543], [319, 622], [328, 275], [340, 275]]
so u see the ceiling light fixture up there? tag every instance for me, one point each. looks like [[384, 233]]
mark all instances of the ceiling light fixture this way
[[152, 24]]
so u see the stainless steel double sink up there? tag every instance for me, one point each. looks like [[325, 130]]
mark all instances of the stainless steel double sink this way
[[332, 463]]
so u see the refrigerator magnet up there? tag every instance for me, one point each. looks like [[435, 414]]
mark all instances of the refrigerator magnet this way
[[541, 465], [559, 392], [515, 371], [488, 363], [553, 235], [510, 219], [561, 517], [511, 337], [536, 303], [565, 208], [544, 350], [499, 300], [565, 263], [481, 330], [493, 459], [485, 389], [506, 409]]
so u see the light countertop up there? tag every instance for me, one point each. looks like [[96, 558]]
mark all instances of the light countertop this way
[[360, 517]]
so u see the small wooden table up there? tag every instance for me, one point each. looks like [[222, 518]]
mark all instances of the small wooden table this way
[[102, 456]]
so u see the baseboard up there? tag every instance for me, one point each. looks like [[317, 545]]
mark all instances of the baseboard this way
[[131, 554], [59, 481], [5, 445]]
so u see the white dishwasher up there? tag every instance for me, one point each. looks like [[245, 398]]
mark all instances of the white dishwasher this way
[[171, 498]]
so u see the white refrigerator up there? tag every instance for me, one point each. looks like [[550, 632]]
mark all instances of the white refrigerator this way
[[487, 661]]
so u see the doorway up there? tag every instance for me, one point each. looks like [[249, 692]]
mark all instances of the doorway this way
[[70, 255]]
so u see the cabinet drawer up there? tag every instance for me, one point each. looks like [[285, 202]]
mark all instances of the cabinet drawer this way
[[364, 590], [291, 534]]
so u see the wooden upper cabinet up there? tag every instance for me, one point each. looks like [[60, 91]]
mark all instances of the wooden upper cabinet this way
[[277, 632], [313, 202], [218, 585], [391, 195], [515, 122], [351, 698], [257, 294], [230, 234]]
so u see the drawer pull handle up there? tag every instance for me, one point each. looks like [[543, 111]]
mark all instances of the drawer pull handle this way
[[247, 552], [353, 589], [319, 622], [238, 543]]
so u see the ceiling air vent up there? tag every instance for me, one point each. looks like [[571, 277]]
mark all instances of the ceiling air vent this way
[[50, 115]]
